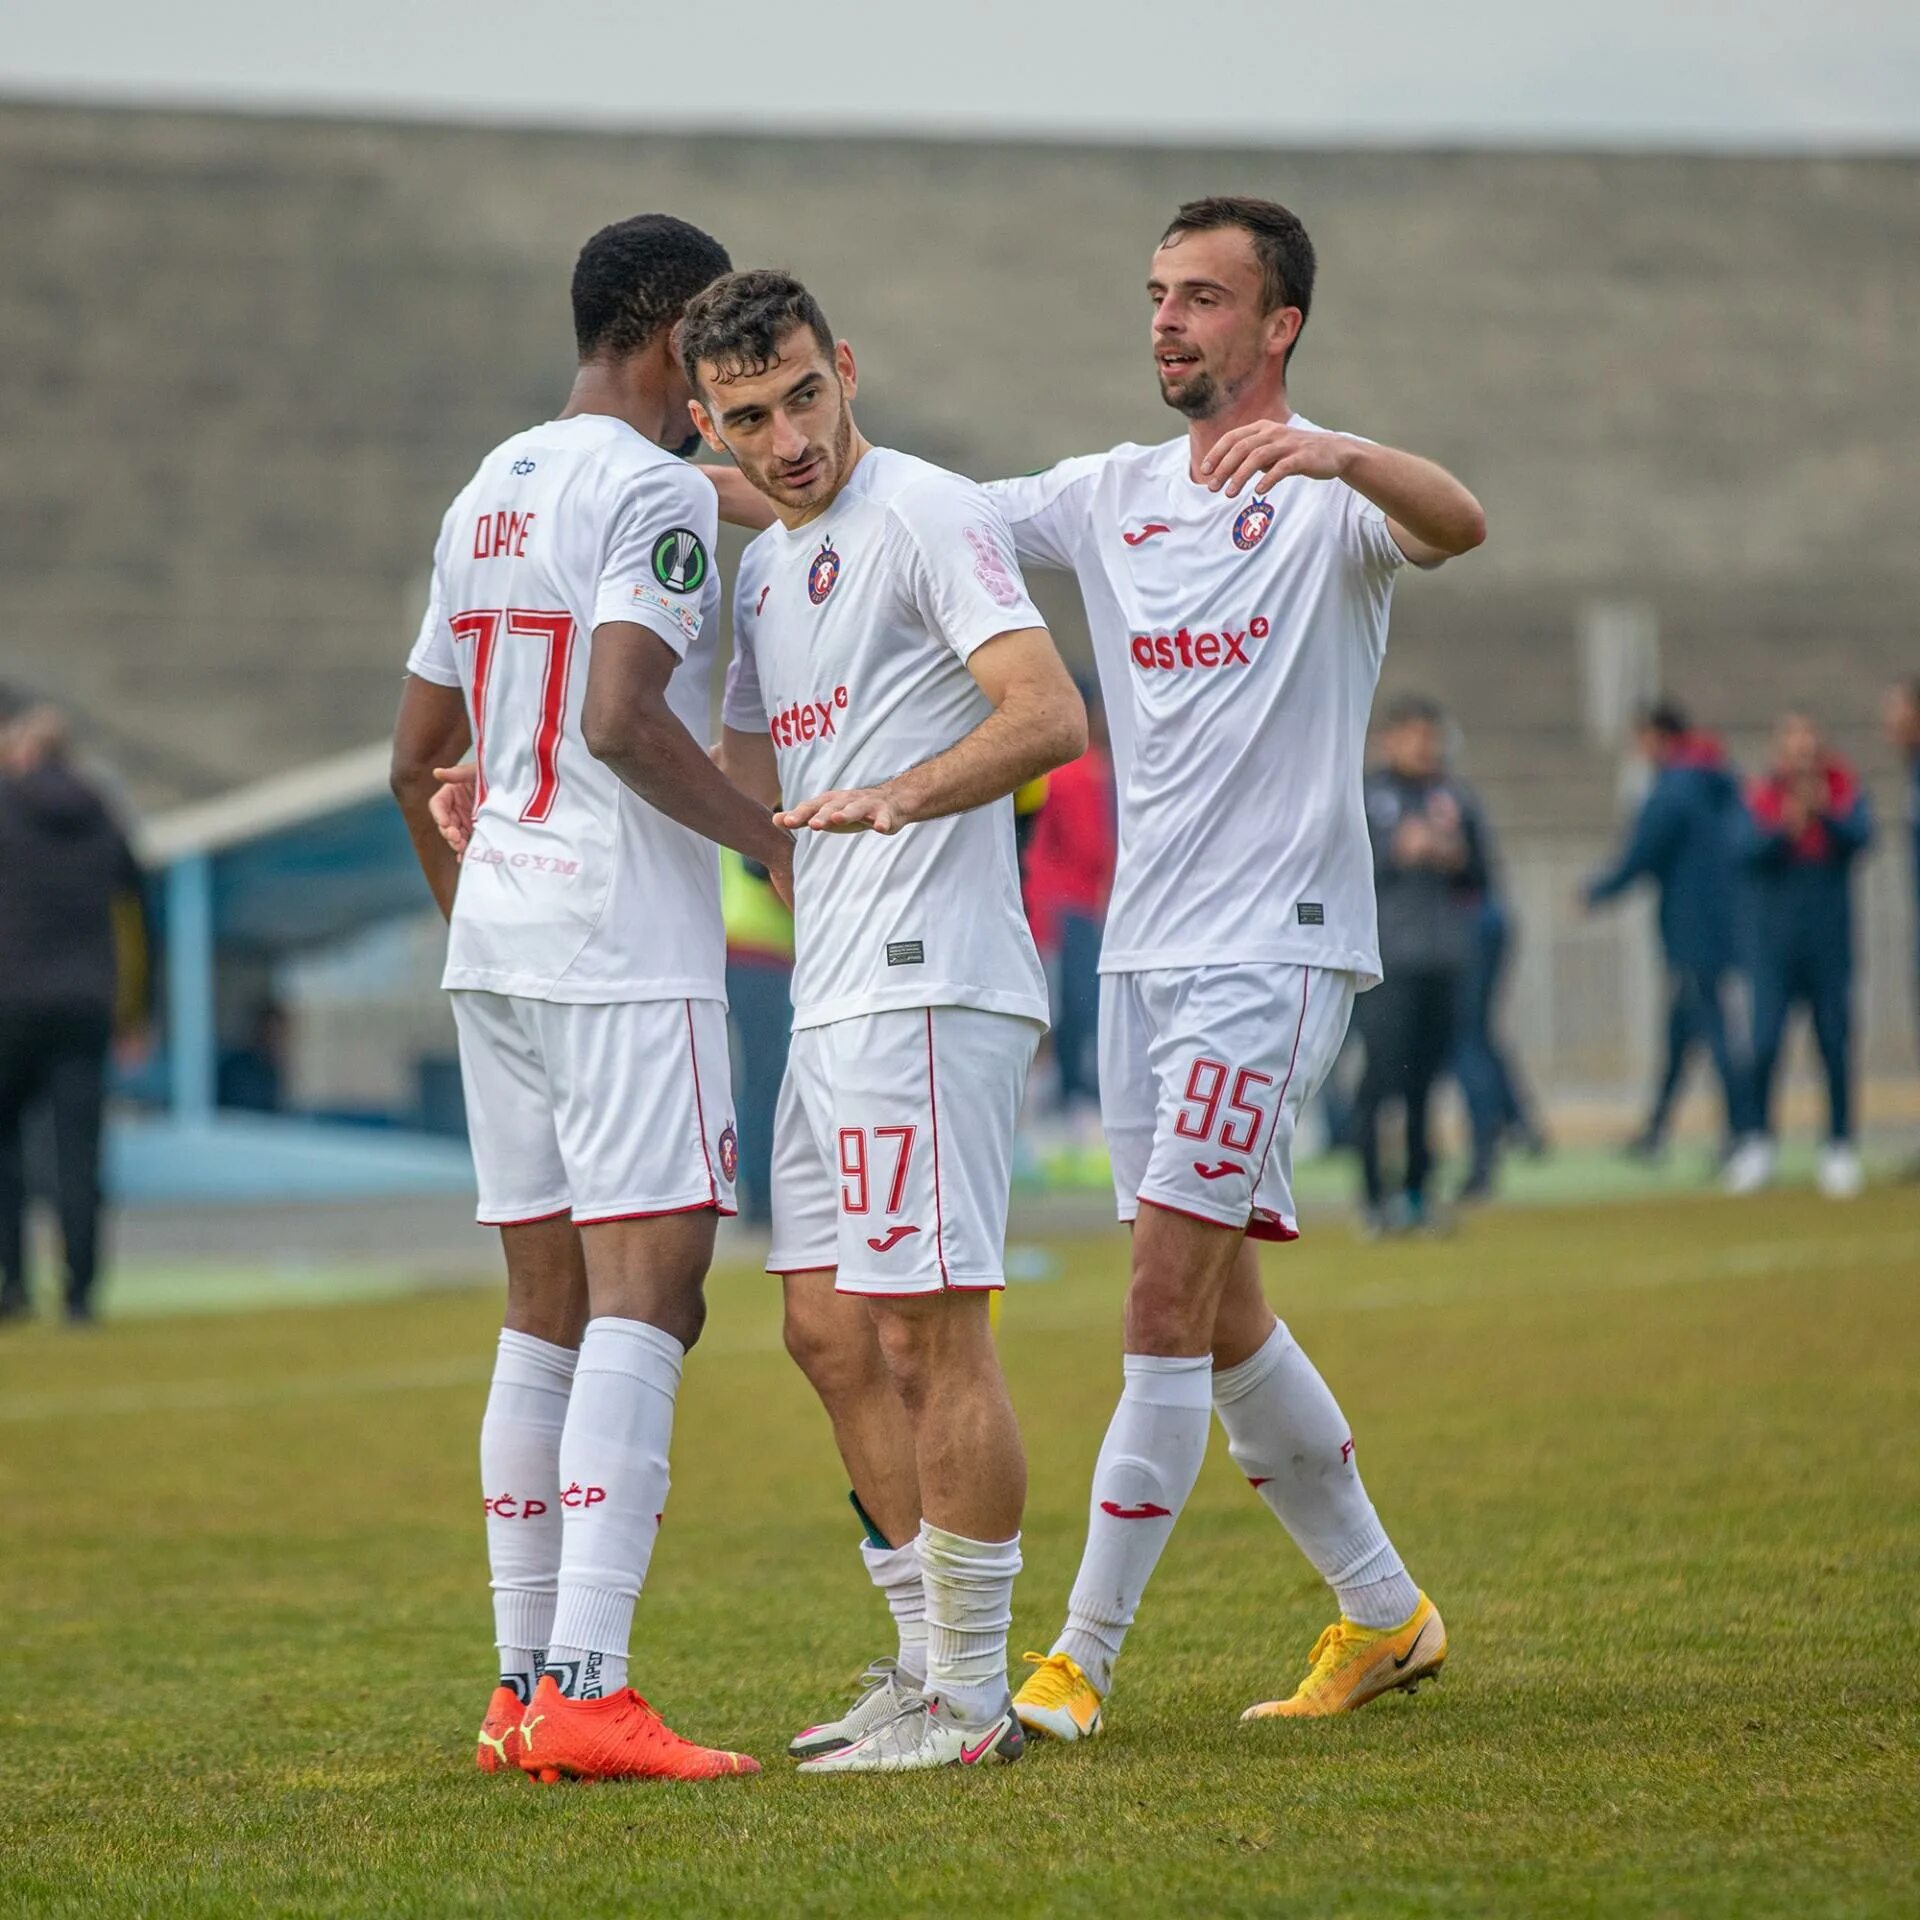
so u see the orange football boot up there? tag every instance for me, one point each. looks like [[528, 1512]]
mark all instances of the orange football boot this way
[[499, 1747], [618, 1738]]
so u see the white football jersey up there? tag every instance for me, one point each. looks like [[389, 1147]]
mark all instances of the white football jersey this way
[[573, 888], [851, 636], [1239, 642]]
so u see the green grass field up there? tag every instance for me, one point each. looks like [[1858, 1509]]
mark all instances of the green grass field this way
[[1659, 1464]]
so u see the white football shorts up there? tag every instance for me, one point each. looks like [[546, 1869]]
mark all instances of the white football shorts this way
[[608, 1112], [893, 1149], [1203, 1072]]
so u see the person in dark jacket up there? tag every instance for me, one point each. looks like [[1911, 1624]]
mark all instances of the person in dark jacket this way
[[64, 865], [1808, 822], [1686, 841], [1498, 1107], [1429, 869]]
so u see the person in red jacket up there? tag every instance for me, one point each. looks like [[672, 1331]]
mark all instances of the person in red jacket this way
[[1069, 871]]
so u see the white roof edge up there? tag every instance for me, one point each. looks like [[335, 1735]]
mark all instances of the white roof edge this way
[[281, 800]]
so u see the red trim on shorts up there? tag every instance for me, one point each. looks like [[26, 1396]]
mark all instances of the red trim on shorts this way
[[1225, 1226], [532, 1219], [939, 1224], [660, 1213], [1271, 1231], [1279, 1106], [923, 1293], [700, 1111]]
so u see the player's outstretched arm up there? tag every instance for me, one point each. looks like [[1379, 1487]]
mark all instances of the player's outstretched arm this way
[[741, 503], [431, 731], [1038, 722], [1431, 515], [629, 727]]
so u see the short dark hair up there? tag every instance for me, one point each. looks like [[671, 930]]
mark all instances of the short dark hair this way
[[1667, 718], [738, 323], [633, 280], [1280, 244], [1405, 708]]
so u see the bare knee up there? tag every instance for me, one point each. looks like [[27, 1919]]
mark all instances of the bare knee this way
[[830, 1341], [1180, 1270]]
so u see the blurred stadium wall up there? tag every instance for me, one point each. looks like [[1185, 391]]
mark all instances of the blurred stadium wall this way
[[245, 362]]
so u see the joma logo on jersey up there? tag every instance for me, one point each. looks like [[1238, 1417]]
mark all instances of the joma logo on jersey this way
[[807, 720], [1227, 648]]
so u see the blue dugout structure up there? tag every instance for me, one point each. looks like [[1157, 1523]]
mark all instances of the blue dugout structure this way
[[300, 861]]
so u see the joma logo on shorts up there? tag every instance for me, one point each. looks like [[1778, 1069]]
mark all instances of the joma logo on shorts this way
[[1227, 648]]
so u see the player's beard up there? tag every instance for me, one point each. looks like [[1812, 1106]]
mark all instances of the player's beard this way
[[833, 467], [1198, 397]]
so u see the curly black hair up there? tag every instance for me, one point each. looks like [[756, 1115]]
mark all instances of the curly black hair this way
[[634, 279], [738, 323]]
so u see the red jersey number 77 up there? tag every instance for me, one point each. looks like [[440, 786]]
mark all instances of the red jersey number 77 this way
[[483, 626]]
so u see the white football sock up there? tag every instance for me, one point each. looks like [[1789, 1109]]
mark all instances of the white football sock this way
[[969, 1606], [1148, 1463], [520, 1481], [896, 1572], [613, 1488], [1288, 1436]]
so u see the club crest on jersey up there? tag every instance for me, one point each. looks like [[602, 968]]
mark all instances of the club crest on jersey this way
[[523, 466], [1251, 523], [680, 560], [824, 573], [729, 1151]]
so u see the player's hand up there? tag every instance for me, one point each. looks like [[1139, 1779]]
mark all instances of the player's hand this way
[[845, 810], [1274, 452], [452, 806]]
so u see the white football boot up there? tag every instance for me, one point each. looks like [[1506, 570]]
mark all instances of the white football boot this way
[[1841, 1175], [923, 1737], [884, 1692], [1750, 1166]]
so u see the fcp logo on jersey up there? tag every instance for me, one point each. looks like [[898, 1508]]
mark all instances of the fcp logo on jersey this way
[[1251, 523], [824, 572]]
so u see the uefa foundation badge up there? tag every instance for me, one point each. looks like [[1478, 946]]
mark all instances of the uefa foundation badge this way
[[729, 1151], [824, 572], [1251, 523]]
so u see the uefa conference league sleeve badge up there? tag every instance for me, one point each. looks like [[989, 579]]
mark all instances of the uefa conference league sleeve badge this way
[[680, 560]]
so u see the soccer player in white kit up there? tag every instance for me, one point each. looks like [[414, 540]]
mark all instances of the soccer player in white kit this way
[[889, 664], [1238, 630], [571, 631]]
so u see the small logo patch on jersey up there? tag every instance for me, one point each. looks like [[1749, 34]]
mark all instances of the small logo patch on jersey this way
[[686, 618], [1251, 523], [1146, 533], [1310, 913], [729, 1152], [760, 605], [680, 560], [824, 572], [906, 953], [523, 465]]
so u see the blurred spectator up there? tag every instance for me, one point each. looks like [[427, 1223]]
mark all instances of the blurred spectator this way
[[1686, 839], [1429, 871], [1069, 873], [760, 1014], [64, 867], [1808, 822], [253, 1077], [1497, 1107]]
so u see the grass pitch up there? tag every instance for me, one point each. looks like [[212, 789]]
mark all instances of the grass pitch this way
[[1657, 1464]]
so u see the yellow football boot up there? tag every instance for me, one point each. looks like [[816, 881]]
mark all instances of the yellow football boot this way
[[1058, 1700], [1351, 1665]]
